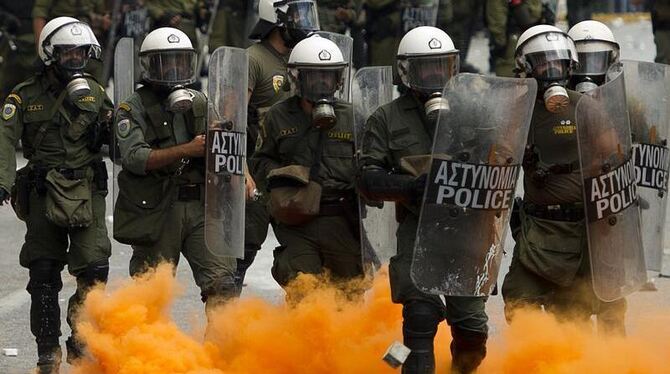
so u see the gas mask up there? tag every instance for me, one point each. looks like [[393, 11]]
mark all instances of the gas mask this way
[[70, 64], [434, 105], [592, 68], [299, 19], [170, 71], [583, 84], [427, 76], [319, 86], [555, 97], [323, 115], [552, 78], [180, 100]]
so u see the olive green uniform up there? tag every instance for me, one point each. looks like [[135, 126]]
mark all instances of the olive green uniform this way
[[55, 134], [89, 12], [230, 26], [395, 131], [161, 212], [661, 23], [161, 11], [267, 76], [328, 19], [18, 65], [330, 240], [550, 265], [506, 24]]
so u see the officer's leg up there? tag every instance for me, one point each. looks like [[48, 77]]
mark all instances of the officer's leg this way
[[44, 254], [298, 253], [611, 317], [421, 312], [212, 271], [93, 274], [340, 248], [43, 287], [256, 221], [166, 249], [523, 288], [662, 40], [88, 262], [469, 331]]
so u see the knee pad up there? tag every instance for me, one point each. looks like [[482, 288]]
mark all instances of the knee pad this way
[[45, 275], [222, 289], [96, 272], [420, 319], [468, 340]]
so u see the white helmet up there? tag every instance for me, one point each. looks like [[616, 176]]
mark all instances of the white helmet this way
[[545, 44], [426, 59], [315, 68], [298, 17], [64, 34], [596, 46], [168, 58]]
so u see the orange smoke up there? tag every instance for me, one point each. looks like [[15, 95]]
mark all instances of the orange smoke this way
[[129, 331]]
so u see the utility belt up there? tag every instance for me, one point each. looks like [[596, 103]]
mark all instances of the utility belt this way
[[336, 202], [37, 175], [190, 192], [573, 212]]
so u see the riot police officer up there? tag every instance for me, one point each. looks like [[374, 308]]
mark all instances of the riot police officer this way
[[278, 29], [160, 132], [426, 59], [61, 116], [306, 153], [550, 265]]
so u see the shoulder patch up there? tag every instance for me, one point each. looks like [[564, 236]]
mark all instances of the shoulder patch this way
[[16, 98], [124, 106], [123, 128], [277, 82], [8, 111]]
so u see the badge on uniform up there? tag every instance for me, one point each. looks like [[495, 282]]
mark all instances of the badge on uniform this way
[[8, 111], [277, 82], [123, 128]]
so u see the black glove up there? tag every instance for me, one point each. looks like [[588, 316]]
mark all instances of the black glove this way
[[419, 186], [4, 196]]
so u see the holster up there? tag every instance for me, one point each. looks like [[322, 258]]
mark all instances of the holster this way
[[20, 193]]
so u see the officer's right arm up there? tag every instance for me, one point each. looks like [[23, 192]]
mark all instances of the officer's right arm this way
[[375, 180], [11, 128], [136, 155], [496, 19]]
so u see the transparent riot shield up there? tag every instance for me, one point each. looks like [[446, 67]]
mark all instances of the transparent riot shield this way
[[610, 191], [346, 45], [417, 13], [226, 151], [124, 86], [648, 97], [476, 160], [371, 88]]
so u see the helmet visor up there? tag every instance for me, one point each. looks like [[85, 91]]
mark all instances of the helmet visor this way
[[551, 65], [72, 57], [431, 73], [594, 63], [169, 68], [302, 14], [319, 84]]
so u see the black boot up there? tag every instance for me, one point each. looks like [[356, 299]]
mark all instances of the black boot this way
[[468, 349], [420, 320], [48, 361], [75, 350]]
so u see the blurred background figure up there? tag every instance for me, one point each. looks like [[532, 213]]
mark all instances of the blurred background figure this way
[[17, 44]]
